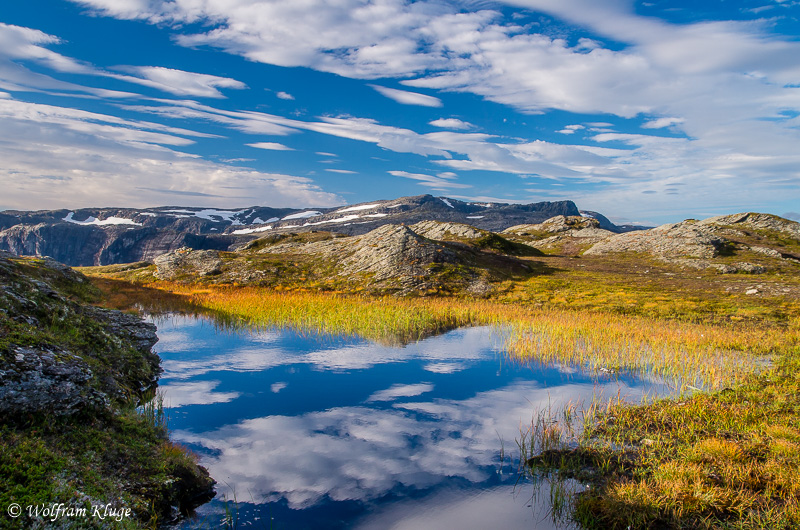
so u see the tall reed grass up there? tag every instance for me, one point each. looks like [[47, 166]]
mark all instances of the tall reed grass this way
[[695, 355]]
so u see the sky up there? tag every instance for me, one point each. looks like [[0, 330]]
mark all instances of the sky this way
[[647, 112]]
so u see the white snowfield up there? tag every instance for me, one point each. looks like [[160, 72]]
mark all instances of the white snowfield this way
[[302, 215], [338, 220], [209, 214], [361, 207], [447, 202], [252, 230], [259, 221], [475, 216], [97, 222]]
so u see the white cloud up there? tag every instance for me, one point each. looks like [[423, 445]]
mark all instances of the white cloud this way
[[451, 123], [724, 79], [430, 180], [570, 129], [54, 156], [194, 393], [284, 95], [179, 82], [661, 123], [408, 98], [277, 387], [271, 146], [343, 171]]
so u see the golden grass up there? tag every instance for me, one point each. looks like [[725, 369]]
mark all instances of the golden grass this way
[[703, 355]]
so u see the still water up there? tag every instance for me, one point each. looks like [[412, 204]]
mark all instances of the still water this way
[[322, 432]]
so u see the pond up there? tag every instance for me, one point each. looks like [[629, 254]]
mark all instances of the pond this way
[[325, 432]]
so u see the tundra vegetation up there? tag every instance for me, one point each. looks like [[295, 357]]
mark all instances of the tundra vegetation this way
[[712, 305]]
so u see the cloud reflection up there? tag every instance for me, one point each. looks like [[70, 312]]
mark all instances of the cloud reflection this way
[[195, 393], [447, 353], [396, 391], [361, 453]]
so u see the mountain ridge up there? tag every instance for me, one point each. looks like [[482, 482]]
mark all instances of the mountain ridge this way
[[106, 236]]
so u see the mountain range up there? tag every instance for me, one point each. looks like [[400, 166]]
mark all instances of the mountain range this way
[[105, 236]]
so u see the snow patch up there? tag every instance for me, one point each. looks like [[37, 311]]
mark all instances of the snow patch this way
[[251, 230], [475, 216], [148, 214], [339, 220], [227, 215], [446, 202], [259, 221], [97, 222], [395, 206], [376, 215], [209, 214], [361, 207], [302, 215]]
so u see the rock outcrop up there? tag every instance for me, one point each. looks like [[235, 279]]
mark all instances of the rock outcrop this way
[[705, 244], [185, 261], [565, 232], [441, 231], [681, 240], [49, 377], [395, 252], [71, 377]]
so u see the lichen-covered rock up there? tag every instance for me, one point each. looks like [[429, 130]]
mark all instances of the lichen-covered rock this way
[[393, 251], [682, 240], [46, 380], [557, 224], [186, 261], [439, 231], [111, 357], [758, 221]]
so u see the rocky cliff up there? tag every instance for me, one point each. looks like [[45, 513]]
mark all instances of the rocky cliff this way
[[71, 375]]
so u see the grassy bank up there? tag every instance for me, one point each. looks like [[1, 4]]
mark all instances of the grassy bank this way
[[71, 428]]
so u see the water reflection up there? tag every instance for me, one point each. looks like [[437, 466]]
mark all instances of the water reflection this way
[[330, 433]]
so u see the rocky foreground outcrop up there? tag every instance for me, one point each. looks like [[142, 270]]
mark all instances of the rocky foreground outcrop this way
[[70, 377]]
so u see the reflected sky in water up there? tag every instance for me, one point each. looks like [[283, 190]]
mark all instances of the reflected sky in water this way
[[322, 432]]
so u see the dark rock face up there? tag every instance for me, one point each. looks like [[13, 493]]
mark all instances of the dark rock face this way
[[79, 245], [123, 235], [48, 377], [47, 380]]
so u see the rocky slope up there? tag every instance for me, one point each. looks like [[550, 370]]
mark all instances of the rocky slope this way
[[569, 234], [122, 235], [428, 256], [744, 242], [70, 377]]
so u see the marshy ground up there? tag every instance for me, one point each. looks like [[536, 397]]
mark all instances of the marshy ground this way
[[724, 454]]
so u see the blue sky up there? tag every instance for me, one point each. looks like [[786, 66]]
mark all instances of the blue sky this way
[[645, 111]]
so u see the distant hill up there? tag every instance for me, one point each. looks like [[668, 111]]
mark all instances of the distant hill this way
[[105, 236]]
